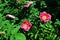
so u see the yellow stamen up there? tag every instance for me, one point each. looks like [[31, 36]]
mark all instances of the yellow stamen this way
[[44, 17], [25, 25]]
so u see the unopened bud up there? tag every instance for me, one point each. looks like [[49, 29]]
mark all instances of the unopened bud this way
[[11, 16]]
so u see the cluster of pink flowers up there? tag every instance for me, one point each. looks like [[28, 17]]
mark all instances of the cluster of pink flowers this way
[[44, 16], [26, 25]]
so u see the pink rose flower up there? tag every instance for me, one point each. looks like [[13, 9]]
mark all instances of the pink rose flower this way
[[44, 16], [27, 5], [26, 25]]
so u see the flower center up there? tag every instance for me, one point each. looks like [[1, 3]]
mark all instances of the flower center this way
[[44, 17], [25, 25]]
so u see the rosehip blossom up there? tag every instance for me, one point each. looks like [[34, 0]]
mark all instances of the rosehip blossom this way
[[44, 16], [11, 16], [26, 25], [27, 5]]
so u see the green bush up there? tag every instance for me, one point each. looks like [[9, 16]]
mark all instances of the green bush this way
[[10, 28]]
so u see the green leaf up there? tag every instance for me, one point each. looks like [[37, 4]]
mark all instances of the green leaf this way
[[57, 22], [20, 36], [15, 30], [12, 37], [40, 38]]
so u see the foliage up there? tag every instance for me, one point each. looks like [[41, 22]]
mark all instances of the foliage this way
[[11, 28]]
